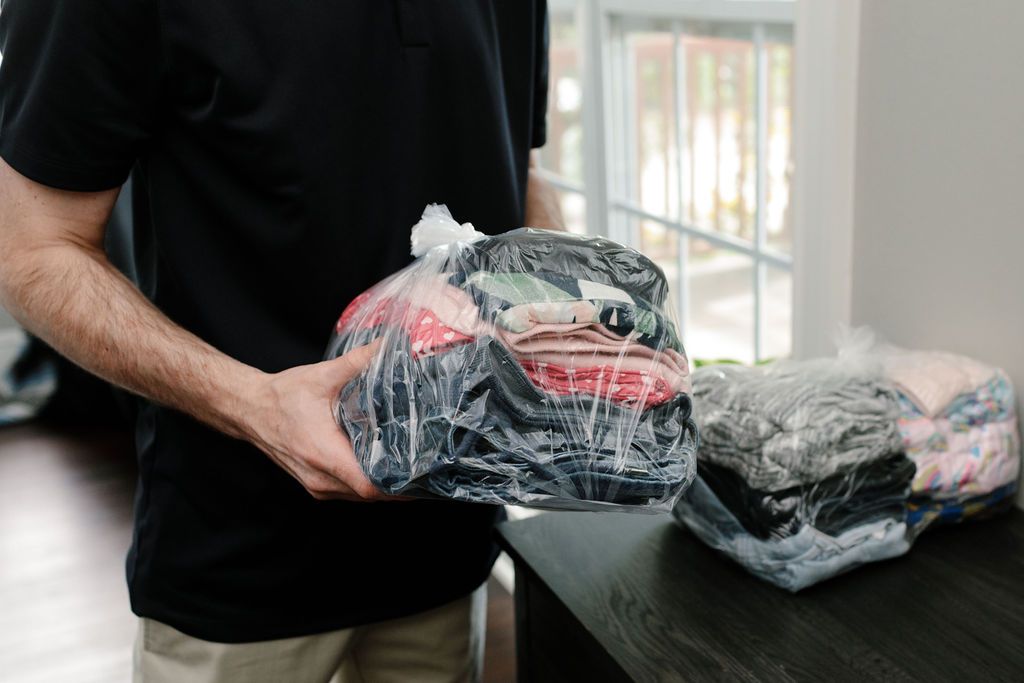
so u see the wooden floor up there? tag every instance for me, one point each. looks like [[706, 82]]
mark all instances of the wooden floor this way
[[65, 525]]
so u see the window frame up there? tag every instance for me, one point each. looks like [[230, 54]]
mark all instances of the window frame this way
[[608, 207]]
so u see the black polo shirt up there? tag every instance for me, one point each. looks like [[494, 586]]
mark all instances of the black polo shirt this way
[[281, 153]]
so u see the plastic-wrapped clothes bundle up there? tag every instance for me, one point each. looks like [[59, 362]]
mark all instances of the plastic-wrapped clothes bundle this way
[[808, 469], [959, 426], [533, 367], [801, 469]]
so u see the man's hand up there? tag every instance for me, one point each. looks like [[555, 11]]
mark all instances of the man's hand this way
[[293, 423]]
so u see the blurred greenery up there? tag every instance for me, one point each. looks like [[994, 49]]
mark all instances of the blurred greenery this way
[[702, 362]]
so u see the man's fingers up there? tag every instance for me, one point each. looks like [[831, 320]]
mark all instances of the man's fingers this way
[[336, 459], [323, 484], [335, 489], [348, 471], [334, 471], [337, 477]]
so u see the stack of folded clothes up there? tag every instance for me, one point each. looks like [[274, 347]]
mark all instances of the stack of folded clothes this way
[[801, 470], [959, 426], [532, 367]]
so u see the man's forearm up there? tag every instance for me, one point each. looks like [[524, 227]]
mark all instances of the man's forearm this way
[[56, 280], [72, 297], [542, 207]]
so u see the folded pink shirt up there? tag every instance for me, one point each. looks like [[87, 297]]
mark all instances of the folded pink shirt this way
[[625, 387], [585, 345]]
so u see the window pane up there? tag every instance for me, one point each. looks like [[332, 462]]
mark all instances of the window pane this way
[[779, 160], [720, 311], [777, 314], [653, 169], [563, 152], [686, 123], [574, 211], [686, 120], [720, 153], [661, 245]]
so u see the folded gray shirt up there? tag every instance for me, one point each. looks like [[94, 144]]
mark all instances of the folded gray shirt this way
[[790, 423]]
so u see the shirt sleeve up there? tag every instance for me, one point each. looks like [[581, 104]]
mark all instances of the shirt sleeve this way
[[540, 80], [78, 84]]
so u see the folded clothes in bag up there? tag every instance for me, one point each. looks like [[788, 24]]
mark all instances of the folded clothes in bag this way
[[808, 469], [970, 447], [923, 511], [793, 423], [959, 425], [796, 561], [801, 469], [865, 493], [533, 367]]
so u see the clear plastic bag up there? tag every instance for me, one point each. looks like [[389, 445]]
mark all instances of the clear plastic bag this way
[[809, 469], [533, 368]]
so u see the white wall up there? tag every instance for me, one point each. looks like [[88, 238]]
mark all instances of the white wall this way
[[938, 255], [825, 107]]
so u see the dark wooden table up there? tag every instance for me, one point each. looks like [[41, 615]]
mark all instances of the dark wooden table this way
[[616, 597]]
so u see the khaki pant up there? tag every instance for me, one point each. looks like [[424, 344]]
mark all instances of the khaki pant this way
[[442, 645]]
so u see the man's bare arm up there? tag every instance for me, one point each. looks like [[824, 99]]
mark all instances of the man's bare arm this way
[[55, 279], [542, 208]]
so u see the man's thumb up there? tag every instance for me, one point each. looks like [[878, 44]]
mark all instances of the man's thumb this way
[[345, 367]]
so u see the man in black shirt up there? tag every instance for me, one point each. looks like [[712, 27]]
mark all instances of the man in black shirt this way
[[280, 153]]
